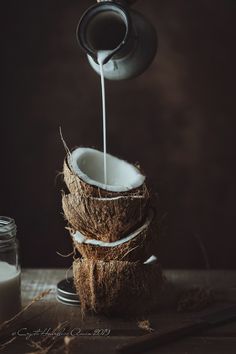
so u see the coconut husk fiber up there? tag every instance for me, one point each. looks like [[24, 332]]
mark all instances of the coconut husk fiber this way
[[105, 219], [79, 187], [117, 287], [134, 248]]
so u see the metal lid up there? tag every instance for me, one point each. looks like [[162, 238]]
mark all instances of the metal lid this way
[[7, 227], [66, 292]]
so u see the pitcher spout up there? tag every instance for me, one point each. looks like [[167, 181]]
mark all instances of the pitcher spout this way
[[118, 37], [104, 27]]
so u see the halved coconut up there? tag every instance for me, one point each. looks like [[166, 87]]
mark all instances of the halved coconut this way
[[105, 219], [84, 174], [134, 247], [117, 286]]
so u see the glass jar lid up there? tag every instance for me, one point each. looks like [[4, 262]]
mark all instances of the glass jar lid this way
[[7, 229]]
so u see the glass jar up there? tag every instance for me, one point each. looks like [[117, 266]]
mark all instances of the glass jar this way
[[10, 287]]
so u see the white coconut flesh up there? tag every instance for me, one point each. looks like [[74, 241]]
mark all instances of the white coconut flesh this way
[[88, 164], [120, 197], [80, 238], [151, 260]]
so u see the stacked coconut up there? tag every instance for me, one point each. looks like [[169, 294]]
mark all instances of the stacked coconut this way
[[113, 228]]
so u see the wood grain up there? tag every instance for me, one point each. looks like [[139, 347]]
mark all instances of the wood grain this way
[[48, 313]]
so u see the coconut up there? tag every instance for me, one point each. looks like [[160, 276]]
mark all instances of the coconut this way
[[105, 219], [116, 287], [135, 246], [84, 175]]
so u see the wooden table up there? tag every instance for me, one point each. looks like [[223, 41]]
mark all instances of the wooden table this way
[[48, 313]]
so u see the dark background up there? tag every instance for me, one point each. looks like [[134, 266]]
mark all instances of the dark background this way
[[177, 119]]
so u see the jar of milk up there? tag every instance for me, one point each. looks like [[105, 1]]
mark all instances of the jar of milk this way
[[10, 293]]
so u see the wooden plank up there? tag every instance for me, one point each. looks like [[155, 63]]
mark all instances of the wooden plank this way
[[35, 281], [200, 345], [187, 346], [47, 313]]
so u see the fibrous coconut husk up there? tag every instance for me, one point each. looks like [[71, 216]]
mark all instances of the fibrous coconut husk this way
[[133, 247], [117, 287], [79, 187], [105, 219]]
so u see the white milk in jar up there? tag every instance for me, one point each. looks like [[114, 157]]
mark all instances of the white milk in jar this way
[[10, 290]]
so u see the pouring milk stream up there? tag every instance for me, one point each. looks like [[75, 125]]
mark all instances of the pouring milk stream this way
[[101, 57]]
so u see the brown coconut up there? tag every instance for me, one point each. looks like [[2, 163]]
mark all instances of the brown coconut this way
[[77, 186], [135, 246], [117, 287], [105, 219]]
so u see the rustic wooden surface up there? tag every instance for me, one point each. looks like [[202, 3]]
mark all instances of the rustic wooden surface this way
[[48, 313]]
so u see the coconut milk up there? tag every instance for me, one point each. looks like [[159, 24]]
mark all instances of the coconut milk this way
[[101, 57], [10, 297]]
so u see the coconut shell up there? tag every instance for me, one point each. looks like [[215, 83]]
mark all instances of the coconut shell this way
[[78, 187], [104, 219], [137, 248], [117, 287]]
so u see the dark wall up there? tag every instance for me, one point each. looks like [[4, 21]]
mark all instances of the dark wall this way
[[177, 119]]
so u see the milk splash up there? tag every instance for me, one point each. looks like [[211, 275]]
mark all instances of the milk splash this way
[[101, 57]]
